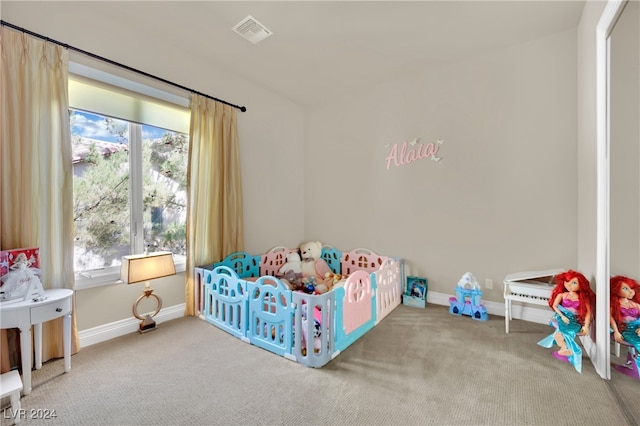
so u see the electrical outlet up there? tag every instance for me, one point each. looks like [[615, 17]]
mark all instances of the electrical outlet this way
[[488, 283]]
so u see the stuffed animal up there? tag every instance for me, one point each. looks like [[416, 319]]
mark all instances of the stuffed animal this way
[[315, 266], [335, 278], [294, 263]]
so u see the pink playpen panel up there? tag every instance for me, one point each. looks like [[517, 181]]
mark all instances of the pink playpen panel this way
[[357, 308], [360, 260], [273, 260]]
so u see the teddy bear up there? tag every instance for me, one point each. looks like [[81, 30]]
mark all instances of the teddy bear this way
[[313, 265]]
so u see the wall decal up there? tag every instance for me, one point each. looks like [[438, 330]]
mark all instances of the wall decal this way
[[408, 152]]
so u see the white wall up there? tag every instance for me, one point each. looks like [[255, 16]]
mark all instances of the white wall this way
[[502, 199]]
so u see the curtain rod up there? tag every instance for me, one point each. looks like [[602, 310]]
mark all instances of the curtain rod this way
[[109, 61]]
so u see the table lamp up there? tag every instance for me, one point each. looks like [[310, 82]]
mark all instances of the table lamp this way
[[146, 267]]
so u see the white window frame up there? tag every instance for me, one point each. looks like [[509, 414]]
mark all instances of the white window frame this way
[[111, 275]]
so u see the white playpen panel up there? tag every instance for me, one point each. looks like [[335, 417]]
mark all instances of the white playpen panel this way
[[389, 281]]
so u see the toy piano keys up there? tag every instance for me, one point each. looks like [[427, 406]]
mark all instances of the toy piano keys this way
[[533, 287]]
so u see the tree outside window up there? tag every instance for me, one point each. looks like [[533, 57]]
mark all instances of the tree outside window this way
[[115, 213]]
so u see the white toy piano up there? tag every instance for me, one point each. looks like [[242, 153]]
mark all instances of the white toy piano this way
[[533, 287]]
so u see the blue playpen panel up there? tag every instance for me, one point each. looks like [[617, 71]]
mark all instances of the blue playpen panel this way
[[314, 336], [244, 264], [332, 256], [225, 304], [270, 315]]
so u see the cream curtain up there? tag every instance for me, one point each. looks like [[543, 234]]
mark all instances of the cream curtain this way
[[36, 177], [214, 205]]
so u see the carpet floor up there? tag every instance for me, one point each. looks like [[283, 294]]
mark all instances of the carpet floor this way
[[417, 367]]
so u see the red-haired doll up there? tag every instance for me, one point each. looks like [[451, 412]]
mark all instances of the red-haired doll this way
[[625, 312], [572, 300]]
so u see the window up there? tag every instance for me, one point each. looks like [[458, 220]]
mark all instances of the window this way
[[129, 177]]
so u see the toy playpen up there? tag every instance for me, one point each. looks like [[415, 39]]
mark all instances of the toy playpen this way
[[242, 296]]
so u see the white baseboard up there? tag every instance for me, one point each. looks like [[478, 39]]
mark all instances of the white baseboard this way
[[109, 331], [523, 312]]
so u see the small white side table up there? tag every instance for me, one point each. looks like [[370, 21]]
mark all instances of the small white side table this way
[[24, 314]]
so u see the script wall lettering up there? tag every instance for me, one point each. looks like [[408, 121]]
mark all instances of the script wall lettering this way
[[408, 152]]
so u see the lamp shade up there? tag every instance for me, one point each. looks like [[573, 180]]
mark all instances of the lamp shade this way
[[144, 267]]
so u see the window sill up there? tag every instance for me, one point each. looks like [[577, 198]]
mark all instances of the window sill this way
[[110, 276]]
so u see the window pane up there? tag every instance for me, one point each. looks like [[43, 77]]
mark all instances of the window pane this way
[[164, 189], [101, 203]]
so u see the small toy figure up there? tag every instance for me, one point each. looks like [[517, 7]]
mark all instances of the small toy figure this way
[[625, 319], [572, 300]]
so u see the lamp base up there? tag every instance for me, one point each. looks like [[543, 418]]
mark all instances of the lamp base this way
[[147, 324]]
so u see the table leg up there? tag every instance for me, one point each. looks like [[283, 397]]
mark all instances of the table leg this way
[[507, 314], [66, 339], [25, 348], [37, 341]]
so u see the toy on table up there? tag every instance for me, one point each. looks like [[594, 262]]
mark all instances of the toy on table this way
[[625, 321], [572, 300], [467, 300], [21, 282]]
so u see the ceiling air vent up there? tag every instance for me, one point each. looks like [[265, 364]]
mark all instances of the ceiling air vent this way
[[252, 30]]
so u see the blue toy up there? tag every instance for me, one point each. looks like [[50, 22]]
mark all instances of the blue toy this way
[[467, 300], [309, 285]]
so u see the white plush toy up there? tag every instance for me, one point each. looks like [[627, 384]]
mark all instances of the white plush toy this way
[[294, 263]]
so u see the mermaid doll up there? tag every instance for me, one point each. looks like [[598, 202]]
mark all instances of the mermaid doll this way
[[572, 301], [625, 312]]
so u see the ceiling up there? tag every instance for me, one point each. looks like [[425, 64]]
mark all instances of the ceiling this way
[[324, 49]]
